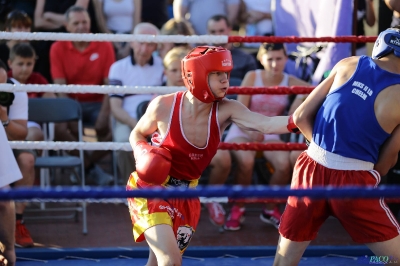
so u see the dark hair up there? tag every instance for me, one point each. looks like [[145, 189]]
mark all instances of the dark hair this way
[[2, 65], [73, 9], [266, 47], [18, 18], [220, 17], [23, 49]]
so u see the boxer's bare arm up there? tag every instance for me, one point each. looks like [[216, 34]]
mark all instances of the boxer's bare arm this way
[[305, 114], [388, 153], [154, 119], [236, 112]]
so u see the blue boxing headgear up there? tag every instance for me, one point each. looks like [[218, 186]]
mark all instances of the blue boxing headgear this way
[[388, 41]]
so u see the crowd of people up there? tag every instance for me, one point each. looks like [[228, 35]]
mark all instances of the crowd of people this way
[[115, 117]]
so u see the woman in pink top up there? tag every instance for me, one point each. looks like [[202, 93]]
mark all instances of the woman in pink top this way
[[273, 57]]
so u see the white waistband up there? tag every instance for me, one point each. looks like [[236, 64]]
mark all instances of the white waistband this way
[[335, 161]]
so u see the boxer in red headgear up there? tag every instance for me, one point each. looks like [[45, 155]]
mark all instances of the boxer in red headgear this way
[[185, 129]]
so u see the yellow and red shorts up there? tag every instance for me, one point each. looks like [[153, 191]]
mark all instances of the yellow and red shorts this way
[[181, 214]]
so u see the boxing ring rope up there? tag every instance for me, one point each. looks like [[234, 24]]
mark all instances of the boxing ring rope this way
[[125, 146], [280, 192], [101, 37], [105, 89]]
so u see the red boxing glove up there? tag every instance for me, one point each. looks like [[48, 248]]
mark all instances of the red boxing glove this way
[[152, 163], [291, 126]]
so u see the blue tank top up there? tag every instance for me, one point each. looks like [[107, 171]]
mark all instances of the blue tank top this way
[[346, 123]]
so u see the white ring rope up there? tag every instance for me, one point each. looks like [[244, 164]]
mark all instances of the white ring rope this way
[[102, 37], [65, 145], [102, 89]]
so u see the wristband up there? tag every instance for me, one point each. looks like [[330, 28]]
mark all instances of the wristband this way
[[291, 126]]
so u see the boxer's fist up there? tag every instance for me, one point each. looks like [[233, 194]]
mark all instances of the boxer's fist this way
[[291, 126], [152, 163]]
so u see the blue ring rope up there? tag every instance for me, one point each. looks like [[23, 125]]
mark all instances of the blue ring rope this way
[[201, 191]]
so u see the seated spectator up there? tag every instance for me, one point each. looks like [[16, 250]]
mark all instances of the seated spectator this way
[[198, 12], [172, 66], [141, 68], [242, 62], [174, 27], [84, 63], [118, 17], [21, 63], [273, 57], [259, 19], [49, 16], [17, 21], [220, 165], [14, 118]]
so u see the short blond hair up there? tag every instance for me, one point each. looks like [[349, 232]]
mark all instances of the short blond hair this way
[[176, 53]]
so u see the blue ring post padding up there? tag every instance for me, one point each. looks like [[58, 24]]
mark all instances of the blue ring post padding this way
[[198, 252], [205, 191]]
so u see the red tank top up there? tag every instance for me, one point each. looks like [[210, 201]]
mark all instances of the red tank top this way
[[188, 161]]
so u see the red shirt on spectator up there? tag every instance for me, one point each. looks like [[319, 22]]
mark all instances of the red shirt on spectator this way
[[89, 67], [34, 78]]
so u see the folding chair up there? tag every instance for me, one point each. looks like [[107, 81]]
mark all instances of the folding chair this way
[[57, 110]]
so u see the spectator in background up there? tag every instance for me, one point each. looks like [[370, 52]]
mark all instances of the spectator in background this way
[[395, 6], [14, 119], [155, 12], [365, 12], [174, 27], [259, 19], [21, 63], [9, 174], [118, 17], [273, 57], [49, 16], [172, 66], [141, 68], [198, 12], [242, 62], [220, 165], [84, 63], [17, 21]]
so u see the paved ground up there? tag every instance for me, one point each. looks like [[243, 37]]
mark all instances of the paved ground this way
[[109, 226]]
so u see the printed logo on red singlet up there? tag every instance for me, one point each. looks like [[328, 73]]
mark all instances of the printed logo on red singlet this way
[[195, 156]]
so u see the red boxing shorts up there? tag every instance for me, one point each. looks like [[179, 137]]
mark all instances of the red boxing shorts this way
[[366, 220], [181, 214]]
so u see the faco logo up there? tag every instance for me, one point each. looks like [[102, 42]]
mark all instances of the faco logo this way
[[226, 62]]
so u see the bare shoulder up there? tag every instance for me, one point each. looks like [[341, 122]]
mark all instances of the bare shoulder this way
[[346, 64], [228, 107], [293, 81], [161, 105], [249, 78]]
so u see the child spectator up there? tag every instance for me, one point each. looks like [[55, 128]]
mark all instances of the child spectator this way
[[172, 66], [17, 21]]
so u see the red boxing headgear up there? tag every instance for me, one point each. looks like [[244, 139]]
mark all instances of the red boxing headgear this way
[[198, 64]]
